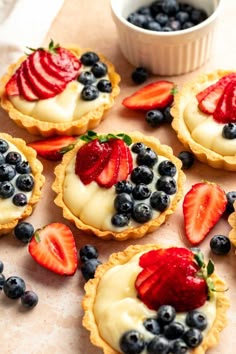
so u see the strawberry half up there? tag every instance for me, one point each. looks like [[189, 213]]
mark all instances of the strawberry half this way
[[53, 247], [53, 148], [203, 205], [156, 95], [24, 85]]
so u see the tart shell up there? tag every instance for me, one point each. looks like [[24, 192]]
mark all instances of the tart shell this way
[[132, 232], [74, 127], [232, 223], [89, 322], [37, 169], [203, 154]]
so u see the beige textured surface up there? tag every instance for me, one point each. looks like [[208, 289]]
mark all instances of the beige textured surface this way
[[54, 326]]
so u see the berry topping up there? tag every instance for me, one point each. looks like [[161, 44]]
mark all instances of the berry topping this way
[[25, 182], [166, 184], [4, 146], [139, 75], [124, 187], [138, 147], [89, 93], [14, 287], [229, 131], [120, 220], [13, 158], [147, 157], [203, 205], [196, 319], [193, 337], [6, 189], [104, 86], [152, 325], [132, 342], [159, 344], [155, 95], [53, 247], [2, 280], [174, 330], [99, 69], [89, 58], [159, 200], [53, 148], [142, 212], [24, 232], [220, 244], [124, 203], [7, 172], [141, 191], [86, 78], [142, 174], [29, 299], [20, 199], [167, 168]]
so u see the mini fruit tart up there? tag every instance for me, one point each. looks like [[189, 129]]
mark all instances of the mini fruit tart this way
[[21, 181], [118, 186], [149, 299], [59, 90], [204, 114]]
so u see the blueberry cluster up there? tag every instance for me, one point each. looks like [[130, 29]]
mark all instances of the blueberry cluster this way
[[96, 69], [14, 288], [135, 197], [15, 175], [167, 16], [89, 258], [229, 131], [157, 117], [169, 335]]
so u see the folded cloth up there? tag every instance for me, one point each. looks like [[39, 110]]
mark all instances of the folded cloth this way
[[24, 23]]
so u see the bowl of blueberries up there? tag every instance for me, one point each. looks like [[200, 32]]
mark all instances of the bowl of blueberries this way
[[167, 37]]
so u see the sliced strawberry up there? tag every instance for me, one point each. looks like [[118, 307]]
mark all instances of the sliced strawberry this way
[[231, 103], [156, 95], [48, 65], [108, 176], [126, 161], [91, 159], [64, 61], [154, 256], [49, 80], [53, 247], [12, 87], [53, 148], [25, 87], [203, 205]]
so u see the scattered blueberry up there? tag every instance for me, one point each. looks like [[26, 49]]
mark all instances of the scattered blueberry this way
[[154, 117], [88, 252], [88, 268], [231, 198], [139, 75], [1, 266], [14, 287], [187, 159], [24, 232], [29, 299], [2, 280], [220, 244], [132, 342], [167, 115]]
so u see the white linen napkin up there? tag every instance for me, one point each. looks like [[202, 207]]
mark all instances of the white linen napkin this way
[[24, 23]]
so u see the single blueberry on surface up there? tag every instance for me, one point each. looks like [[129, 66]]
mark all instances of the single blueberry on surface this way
[[29, 299], [88, 252], [139, 75], [88, 268], [24, 232], [220, 244], [14, 287]]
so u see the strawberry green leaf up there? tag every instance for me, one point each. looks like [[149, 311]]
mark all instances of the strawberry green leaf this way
[[210, 267], [91, 135], [199, 259]]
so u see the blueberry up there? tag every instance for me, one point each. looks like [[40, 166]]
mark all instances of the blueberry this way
[[198, 16], [13, 158], [229, 131], [158, 345], [141, 192], [193, 337], [170, 7], [6, 189], [153, 26], [231, 198], [86, 78], [123, 187], [154, 117], [88, 268], [132, 342], [187, 25], [220, 244], [174, 25], [166, 29], [14, 287], [182, 16], [144, 10], [138, 147], [166, 184], [89, 93], [104, 86], [187, 159], [142, 174], [160, 201], [29, 299], [162, 18], [166, 314], [139, 75], [7, 172], [88, 252], [152, 326], [147, 157], [2, 159], [156, 7], [4, 146], [19, 199], [196, 319], [137, 19], [167, 168], [89, 58], [142, 213], [99, 69], [25, 182], [120, 220], [174, 330], [178, 346], [1, 267], [185, 7], [24, 232], [2, 280], [23, 167], [167, 115], [124, 203]]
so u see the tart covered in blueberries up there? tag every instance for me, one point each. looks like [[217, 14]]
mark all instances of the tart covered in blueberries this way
[[59, 90], [204, 114], [118, 186], [149, 299], [21, 181]]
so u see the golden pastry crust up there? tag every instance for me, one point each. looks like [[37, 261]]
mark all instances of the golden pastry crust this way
[[180, 100], [89, 322], [37, 169], [132, 232], [232, 223], [76, 127]]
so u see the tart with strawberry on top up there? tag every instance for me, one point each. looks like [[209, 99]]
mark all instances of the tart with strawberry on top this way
[[59, 90], [21, 181], [204, 114], [149, 300], [118, 186]]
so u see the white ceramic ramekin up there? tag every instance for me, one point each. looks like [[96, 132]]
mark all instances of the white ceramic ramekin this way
[[166, 53]]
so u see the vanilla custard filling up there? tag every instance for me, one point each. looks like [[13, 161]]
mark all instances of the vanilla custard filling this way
[[117, 308], [9, 211], [94, 205]]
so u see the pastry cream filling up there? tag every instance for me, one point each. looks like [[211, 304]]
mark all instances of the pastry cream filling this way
[[94, 205], [206, 131], [9, 211], [117, 308]]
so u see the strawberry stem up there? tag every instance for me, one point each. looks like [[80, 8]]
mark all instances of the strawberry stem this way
[[52, 48], [91, 135]]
